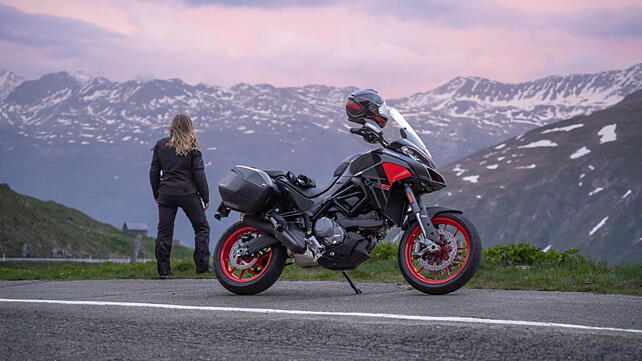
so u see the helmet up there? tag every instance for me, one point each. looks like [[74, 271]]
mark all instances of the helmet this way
[[366, 104]]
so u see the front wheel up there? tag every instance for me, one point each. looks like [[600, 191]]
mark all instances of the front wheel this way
[[247, 275], [450, 268]]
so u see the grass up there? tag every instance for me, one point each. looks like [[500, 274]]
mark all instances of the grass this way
[[513, 267], [49, 229]]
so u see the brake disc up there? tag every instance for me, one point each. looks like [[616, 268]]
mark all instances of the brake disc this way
[[236, 260], [428, 261]]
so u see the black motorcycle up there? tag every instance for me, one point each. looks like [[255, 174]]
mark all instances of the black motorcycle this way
[[337, 227]]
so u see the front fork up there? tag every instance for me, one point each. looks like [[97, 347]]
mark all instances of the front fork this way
[[429, 232]]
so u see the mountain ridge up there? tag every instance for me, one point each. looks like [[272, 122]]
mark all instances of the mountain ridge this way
[[63, 139]]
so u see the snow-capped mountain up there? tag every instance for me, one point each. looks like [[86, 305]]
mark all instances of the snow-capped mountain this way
[[470, 113], [63, 136], [59, 108], [571, 184], [455, 119], [8, 82]]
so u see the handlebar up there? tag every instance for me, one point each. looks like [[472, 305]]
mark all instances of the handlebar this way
[[369, 136]]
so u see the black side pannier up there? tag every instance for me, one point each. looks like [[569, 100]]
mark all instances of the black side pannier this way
[[246, 189]]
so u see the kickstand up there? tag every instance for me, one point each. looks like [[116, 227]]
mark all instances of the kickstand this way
[[356, 290]]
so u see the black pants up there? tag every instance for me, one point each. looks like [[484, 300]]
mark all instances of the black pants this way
[[191, 205]]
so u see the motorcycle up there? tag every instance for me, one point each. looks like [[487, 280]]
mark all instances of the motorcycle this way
[[338, 226]]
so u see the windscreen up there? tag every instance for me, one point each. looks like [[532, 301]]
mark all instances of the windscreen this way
[[398, 128]]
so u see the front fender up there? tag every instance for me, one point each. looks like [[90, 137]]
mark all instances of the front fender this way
[[432, 212]]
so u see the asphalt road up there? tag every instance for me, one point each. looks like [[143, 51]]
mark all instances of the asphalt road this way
[[218, 330]]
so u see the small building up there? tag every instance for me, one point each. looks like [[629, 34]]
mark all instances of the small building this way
[[135, 228], [176, 243]]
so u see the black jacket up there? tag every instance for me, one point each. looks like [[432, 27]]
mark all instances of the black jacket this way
[[181, 175]]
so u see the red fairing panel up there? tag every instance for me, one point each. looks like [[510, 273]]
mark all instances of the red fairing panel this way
[[395, 172]]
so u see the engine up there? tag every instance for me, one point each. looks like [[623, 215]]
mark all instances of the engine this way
[[330, 233], [345, 246]]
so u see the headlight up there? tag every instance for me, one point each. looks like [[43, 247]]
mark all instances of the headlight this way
[[414, 154], [405, 150]]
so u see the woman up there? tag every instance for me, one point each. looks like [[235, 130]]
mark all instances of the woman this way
[[182, 184]]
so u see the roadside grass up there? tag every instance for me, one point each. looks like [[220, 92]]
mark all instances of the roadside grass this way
[[512, 267]]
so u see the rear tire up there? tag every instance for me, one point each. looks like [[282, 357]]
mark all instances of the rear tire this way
[[263, 273], [442, 273]]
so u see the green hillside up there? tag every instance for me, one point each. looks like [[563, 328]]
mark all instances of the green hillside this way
[[572, 184], [34, 228]]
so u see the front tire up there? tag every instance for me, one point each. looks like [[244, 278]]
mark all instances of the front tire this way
[[447, 270], [249, 275]]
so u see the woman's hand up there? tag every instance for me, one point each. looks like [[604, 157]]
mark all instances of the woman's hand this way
[[206, 206]]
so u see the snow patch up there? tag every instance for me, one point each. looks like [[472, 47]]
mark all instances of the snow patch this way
[[563, 129], [596, 191], [546, 249], [459, 170], [539, 144], [471, 178], [628, 193], [580, 153], [478, 196], [500, 146], [530, 166], [492, 166], [607, 134], [598, 226]]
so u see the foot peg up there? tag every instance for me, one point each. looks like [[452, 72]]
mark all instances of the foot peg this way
[[356, 290]]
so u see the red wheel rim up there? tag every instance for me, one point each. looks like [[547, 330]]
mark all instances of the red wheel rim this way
[[249, 274], [451, 270]]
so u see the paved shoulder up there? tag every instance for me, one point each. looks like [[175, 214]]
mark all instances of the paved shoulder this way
[[311, 320]]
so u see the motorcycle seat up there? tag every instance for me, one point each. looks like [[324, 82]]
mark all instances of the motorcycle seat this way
[[313, 192], [308, 192]]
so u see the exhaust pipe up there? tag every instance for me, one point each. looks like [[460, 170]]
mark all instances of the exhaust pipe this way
[[286, 236]]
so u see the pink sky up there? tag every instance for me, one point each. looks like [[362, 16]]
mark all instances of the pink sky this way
[[399, 47]]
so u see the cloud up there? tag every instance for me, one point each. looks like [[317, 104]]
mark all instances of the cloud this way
[[588, 18], [47, 30], [262, 4], [609, 22], [396, 47]]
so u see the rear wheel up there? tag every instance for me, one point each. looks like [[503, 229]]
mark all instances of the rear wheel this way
[[247, 275], [450, 268]]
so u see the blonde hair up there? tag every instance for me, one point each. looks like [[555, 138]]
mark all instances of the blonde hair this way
[[182, 135]]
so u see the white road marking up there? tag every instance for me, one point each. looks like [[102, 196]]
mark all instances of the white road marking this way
[[325, 313]]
